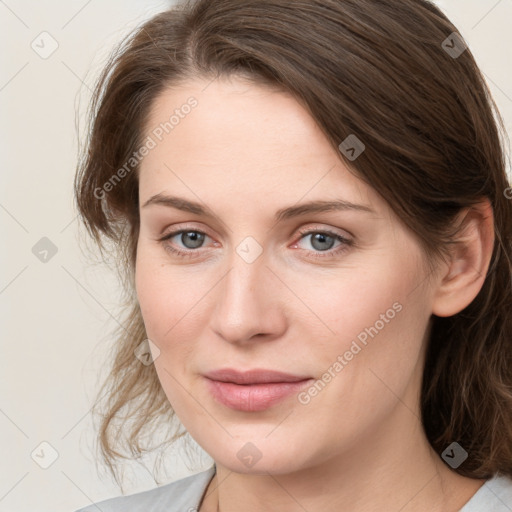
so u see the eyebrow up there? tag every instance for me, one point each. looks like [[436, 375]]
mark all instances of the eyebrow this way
[[284, 214]]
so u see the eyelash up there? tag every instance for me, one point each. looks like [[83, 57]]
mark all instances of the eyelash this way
[[192, 253]]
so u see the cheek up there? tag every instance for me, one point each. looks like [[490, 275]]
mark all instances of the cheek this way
[[374, 354], [167, 300], [355, 299], [370, 314], [151, 292], [170, 298]]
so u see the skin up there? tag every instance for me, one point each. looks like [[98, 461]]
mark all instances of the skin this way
[[245, 152]]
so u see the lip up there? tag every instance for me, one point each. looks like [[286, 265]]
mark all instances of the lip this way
[[253, 390], [255, 376]]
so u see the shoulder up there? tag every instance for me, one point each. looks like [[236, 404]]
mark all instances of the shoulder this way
[[494, 496], [183, 495]]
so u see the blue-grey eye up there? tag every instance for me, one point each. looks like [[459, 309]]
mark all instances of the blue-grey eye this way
[[192, 239], [321, 241]]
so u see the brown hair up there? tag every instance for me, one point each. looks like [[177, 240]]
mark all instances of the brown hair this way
[[384, 70]]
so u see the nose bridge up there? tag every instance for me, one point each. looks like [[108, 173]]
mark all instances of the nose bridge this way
[[245, 307], [248, 264]]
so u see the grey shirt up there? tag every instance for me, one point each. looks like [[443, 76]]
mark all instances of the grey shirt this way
[[185, 495]]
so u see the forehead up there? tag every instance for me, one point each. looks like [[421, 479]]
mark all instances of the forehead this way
[[244, 112], [242, 138]]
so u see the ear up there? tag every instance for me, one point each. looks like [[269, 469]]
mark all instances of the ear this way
[[469, 260]]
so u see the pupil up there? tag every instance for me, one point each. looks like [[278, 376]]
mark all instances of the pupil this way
[[195, 237], [321, 238]]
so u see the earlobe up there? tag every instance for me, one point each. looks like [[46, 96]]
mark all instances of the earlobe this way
[[469, 260]]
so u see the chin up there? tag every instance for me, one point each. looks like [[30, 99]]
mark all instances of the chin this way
[[259, 453]]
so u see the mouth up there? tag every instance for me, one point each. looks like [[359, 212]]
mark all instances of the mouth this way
[[253, 390]]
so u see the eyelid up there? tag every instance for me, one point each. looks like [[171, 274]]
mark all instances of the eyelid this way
[[345, 243], [178, 228], [319, 228], [178, 251]]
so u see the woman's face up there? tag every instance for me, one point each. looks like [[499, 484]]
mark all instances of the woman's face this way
[[264, 279]]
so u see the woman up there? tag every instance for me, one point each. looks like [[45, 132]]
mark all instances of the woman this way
[[310, 205]]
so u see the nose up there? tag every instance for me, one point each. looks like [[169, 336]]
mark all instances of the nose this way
[[249, 305]]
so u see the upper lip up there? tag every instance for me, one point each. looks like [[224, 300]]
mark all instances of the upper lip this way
[[255, 376]]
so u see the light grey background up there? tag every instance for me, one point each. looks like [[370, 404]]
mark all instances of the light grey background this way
[[55, 316]]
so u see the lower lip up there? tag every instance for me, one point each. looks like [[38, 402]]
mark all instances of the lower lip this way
[[253, 397]]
